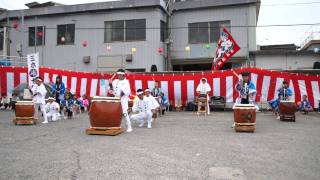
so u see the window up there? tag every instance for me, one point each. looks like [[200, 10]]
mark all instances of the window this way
[[163, 31], [215, 30], [206, 32], [135, 30], [36, 36], [128, 30], [65, 34]]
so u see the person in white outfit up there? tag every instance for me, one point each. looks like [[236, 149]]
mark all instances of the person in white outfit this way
[[154, 103], [143, 109], [120, 87], [204, 89], [53, 108], [39, 93]]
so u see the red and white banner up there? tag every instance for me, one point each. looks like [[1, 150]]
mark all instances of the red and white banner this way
[[179, 87], [227, 47]]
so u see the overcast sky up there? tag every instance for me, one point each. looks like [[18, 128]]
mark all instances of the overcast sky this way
[[272, 12]]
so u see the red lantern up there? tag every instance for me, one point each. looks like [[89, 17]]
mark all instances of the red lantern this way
[[85, 44], [160, 50], [15, 24], [40, 34]]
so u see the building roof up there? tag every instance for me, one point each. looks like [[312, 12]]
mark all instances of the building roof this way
[[35, 4], [51, 8], [79, 8], [279, 47], [310, 43], [282, 52], [197, 4]]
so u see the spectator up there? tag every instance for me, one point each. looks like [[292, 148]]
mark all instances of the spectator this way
[[164, 102], [305, 106], [58, 90], [14, 100], [84, 103], [4, 103]]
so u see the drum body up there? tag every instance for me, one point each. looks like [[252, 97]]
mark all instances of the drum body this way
[[105, 112], [24, 109], [287, 110], [244, 118]]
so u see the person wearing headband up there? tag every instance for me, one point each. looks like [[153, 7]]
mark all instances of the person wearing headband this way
[[120, 88], [53, 108], [154, 103], [39, 93], [142, 109], [203, 89], [284, 94], [246, 89]]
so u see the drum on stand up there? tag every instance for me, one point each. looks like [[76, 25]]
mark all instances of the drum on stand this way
[[287, 110], [105, 115], [24, 111], [245, 118]]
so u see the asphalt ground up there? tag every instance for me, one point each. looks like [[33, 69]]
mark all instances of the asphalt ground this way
[[181, 145]]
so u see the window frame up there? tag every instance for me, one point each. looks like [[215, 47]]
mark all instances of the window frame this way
[[59, 43], [37, 39]]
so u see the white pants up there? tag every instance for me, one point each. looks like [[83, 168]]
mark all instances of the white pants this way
[[142, 117], [53, 115], [124, 106], [42, 109]]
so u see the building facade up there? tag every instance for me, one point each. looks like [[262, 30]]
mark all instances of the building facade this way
[[138, 35]]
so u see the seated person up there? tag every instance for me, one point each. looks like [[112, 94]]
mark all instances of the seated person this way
[[284, 94], [143, 109], [4, 103], [203, 89], [14, 100], [52, 109], [67, 104], [304, 105]]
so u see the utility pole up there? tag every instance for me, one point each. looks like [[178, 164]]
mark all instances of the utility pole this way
[[5, 43], [169, 41]]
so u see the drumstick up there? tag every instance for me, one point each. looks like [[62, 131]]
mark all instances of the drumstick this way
[[235, 73]]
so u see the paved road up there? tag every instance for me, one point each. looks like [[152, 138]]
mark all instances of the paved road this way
[[180, 146]]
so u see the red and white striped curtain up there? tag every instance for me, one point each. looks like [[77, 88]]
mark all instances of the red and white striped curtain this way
[[178, 87]]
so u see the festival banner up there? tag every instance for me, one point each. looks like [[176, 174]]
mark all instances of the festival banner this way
[[33, 66], [227, 47]]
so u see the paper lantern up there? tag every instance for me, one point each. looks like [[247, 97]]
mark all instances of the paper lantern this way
[[207, 46], [84, 43], [133, 50], [63, 39], [160, 50], [15, 25], [108, 48], [187, 48], [40, 34]]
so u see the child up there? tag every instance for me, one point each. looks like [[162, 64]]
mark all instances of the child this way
[[53, 109], [305, 105], [14, 100], [4, 103], [84, 103], [76, 104], [68, 105], [164, 102]]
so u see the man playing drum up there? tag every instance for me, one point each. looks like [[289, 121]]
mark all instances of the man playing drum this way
[[120, 87], [143, 108], [39, 93], [284, 94], [203, 90], [246, 89]]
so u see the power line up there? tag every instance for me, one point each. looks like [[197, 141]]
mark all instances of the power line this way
[[290, 4]]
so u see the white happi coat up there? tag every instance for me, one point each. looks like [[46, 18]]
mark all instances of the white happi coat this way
[[143, 109], [122, 86], [154, 103], [53, 110], [203, 88], [39, 93]]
